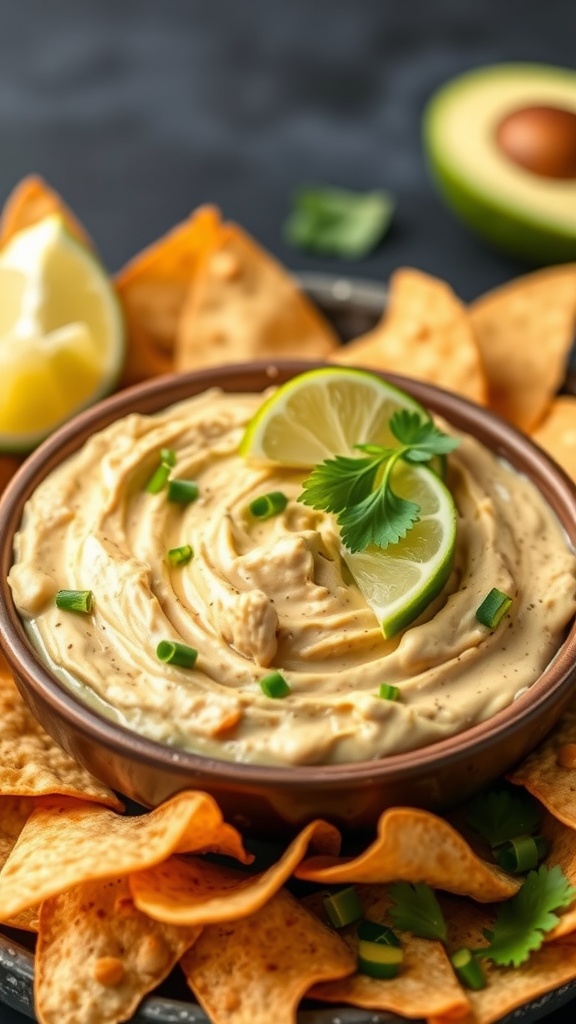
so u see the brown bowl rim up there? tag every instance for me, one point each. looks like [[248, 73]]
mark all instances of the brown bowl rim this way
[[507, 442]]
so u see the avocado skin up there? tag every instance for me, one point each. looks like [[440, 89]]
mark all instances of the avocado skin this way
[[528, 238]]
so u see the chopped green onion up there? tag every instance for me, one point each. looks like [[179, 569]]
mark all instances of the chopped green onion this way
[[521, 854], [159, 479], [371, 931], [74, 600], [378, 960], [183, 491], [468, 969], [173, 653], [388, 692], [168, 456], [274, 685], [268, 505], [181, 555], [342, 907], [493, 608]]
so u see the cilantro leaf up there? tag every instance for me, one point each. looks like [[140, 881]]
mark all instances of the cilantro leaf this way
[[522, 921], [382, 518], [339, 222], [423, 437], [415, 909], [503, 814], [359, 492], [337, 483]]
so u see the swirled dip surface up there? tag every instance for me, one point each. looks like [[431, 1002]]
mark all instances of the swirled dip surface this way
[[274, 594]]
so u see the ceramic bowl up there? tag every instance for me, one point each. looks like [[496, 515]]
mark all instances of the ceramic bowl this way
[[272, 799]]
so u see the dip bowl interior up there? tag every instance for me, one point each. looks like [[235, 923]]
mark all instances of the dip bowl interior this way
[[256, 798]]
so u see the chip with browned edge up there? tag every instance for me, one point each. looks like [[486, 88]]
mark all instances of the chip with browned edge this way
[[556, 433], [245, 305], [30, 201], [424, 333], [525, 330]]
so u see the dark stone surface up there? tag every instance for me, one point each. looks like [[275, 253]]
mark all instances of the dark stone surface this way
[[138, 110]]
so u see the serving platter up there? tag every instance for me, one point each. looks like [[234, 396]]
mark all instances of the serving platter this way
[[353, 306]]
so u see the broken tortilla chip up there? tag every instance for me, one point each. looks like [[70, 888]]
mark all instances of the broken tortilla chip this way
[[245, 305], [30, 201], [425, 986], [556, 433], [257, 970], [424, 333], [544, 776], [507, 988], [97, 955], [415, 846], [525, 330], [152, 289], [31, 762], [194, 891], [63, 845]]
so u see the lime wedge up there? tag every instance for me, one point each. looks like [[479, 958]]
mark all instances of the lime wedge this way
[[400, 581], [323, 413], [61, 332], [326, 412]]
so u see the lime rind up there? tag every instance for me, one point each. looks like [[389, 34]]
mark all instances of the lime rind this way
[[322, 413], [399, 582]]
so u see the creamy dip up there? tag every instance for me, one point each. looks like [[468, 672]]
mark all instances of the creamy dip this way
[[264, 595]]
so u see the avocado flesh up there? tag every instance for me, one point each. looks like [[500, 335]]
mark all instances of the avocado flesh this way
[[526, 215]]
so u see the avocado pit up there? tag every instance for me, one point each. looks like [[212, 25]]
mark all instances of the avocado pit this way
[[541, 139]]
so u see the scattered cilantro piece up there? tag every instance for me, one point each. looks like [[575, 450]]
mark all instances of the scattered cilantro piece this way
[[522, 921], [338, 222], [415, 909], [359, 490], [503, 814]]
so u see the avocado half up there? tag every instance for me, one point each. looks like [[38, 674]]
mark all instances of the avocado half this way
[[520, 212]]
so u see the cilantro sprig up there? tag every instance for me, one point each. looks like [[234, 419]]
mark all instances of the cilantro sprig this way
[[359, 489], [415, 909], [503, 814], [522, 922]]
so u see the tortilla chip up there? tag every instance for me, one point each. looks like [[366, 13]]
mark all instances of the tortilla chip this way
[[244, 305], [525, 331], [424, 333], [32, 200], [426, 984], [507, 988], [257, 970], [193, 891], [97, 956], [31, 763], [545, 778], [556, 433], [67, 845], [415, 846], [152, 289]]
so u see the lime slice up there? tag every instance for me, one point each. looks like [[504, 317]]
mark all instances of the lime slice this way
[[399, 582], [61, 332], [327, 412], [323, 413]]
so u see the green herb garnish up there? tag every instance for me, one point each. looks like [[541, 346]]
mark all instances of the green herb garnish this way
[[469, 970], [182, 492], [342, 907], [522, 921], [75, 601], [521, 854], [173, 653], [388, 692], [493, 608], [159, 478], [415, 909], [503, 814], [268, 505], [358, 490], [181, 555], [338, 222], [274, 686]]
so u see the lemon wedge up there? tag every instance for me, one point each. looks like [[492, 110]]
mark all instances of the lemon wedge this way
[[61, 333], [327, 412]]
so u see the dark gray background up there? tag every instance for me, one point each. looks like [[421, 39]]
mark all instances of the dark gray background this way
[[138, 110]]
